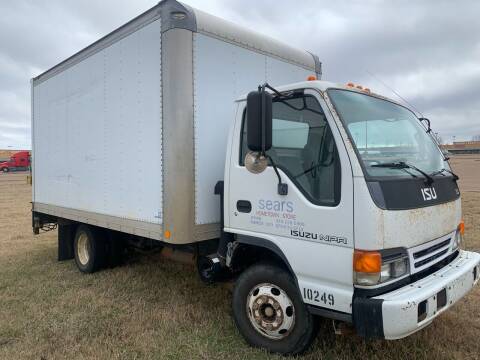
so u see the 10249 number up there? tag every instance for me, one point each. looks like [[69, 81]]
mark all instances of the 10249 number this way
[[317, 296]]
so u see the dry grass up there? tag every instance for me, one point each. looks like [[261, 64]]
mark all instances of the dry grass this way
[[151, 308], [468, 166]]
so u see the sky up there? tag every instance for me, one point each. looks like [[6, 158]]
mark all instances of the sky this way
[[426, 51]]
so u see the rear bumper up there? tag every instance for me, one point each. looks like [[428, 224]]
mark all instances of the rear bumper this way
[[406, 310]]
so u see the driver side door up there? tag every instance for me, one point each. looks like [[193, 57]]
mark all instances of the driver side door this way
[[313, 224]]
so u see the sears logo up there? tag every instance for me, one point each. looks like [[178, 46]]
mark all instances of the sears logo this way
[[429, 193], [274, 205]]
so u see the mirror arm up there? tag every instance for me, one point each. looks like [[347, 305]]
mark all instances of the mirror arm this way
[[429, 129], [266, 85], [280, 95], [263, 118], [282, 188]]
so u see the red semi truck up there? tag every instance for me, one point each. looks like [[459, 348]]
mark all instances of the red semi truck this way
[[18, 161]]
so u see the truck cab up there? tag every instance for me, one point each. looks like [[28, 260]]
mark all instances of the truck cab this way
[[353, 194], [18, 161]]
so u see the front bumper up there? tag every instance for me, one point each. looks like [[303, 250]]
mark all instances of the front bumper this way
[[408, 309]]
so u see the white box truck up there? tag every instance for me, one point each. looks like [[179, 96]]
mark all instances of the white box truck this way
[[318, 199]]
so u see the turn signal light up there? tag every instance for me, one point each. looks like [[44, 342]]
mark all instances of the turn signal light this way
[[167, 234], [367, 261], [461, 228], [311, 78]]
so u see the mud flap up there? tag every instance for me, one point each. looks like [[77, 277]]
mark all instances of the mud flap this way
[[368, 318], [66, 235]]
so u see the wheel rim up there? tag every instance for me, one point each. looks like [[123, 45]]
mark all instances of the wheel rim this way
[[270, 311], [83, 248]]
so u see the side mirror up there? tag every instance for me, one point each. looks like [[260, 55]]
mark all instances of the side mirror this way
[[259, 121]]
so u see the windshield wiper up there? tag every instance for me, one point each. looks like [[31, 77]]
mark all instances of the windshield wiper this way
[[403, 165], [455, 176], [395, 166]]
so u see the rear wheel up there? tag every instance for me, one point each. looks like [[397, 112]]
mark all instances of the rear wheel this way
[[89, 249], [5, 169], [269, 311]]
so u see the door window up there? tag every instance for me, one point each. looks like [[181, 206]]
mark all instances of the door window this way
[[304, 148]]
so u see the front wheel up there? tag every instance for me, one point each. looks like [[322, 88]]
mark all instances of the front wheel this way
[[5, 169], [269, 312]]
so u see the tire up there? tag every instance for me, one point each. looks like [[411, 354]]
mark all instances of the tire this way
[[89, 249], [292, 330], [5, 169]]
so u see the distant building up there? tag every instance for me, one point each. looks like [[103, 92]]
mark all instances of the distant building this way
[[462, 147]]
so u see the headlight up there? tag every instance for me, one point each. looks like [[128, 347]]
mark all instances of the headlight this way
[[394, 269], [371, 268]]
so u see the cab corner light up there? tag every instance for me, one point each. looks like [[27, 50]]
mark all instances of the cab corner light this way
[[461, 228]]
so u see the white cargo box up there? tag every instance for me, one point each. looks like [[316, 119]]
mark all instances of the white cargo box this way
[[130, 133]]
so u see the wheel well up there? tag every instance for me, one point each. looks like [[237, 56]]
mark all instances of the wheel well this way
[[246, 255]]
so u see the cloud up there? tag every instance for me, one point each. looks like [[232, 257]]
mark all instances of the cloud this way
[[428, 51]]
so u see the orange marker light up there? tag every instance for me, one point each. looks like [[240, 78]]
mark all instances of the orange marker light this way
[[367, 261], [461, 227], [351, 84], [359, 87], [311, 78], [167, 234]]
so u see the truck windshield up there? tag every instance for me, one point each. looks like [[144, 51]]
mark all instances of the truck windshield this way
[[389, 138]]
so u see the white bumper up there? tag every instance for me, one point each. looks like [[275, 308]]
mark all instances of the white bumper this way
[[400, 308]]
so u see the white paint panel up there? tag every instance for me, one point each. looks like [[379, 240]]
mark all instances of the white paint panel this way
[[222, 73], [98, 131]]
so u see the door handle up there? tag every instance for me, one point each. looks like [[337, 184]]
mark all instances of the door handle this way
[[244, 206]]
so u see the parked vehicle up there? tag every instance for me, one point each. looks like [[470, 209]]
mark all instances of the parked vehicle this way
[[20, 161], [318, 199]]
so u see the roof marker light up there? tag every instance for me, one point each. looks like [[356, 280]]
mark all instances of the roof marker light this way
[[350, 84], [311, 78]]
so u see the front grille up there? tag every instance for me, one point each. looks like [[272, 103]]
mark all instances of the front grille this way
[[425, 255], [431, 258], [431, 249]]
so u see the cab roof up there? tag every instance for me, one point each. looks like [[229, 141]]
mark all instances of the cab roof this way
[[323, 85]]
